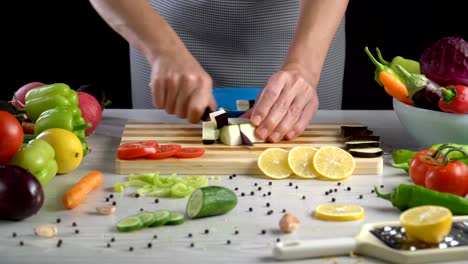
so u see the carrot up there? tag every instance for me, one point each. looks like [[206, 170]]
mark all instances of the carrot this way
[[394, 87], [75, 195]]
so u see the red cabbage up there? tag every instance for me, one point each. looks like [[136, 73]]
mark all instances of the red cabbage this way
[[446, 62]]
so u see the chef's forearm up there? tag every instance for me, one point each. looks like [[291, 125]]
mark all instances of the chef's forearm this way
[[139, 24], [317, 25]]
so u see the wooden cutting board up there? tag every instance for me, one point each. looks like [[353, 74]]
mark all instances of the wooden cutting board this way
[[221, 159]]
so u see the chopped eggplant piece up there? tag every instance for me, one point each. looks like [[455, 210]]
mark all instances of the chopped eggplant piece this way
[[366, 152], [245, 140], [244, 105], [209, 134], [230, 135], [238, 120], [220, 118], [362, 144], [249, 131], [351, 130], [362, 137]]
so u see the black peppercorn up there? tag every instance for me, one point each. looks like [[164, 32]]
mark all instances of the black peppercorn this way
[[264, 195], [269, 193], [74, 224], [242, 194], [234, 175], [333, 199], [137, 195], [235, 189], [303, 197], [113, 239], [228, 242], [290, 184], [270, 183], [250, 209], [230, 177], [13, 235], [267, 204], [278, 239], [381, 186], [263, 231], [58, 220], [284, 211], [141, 209], [252, 193], [255, 184], [259, 188], [207, 231], [114, 203], [107, 199], [111, 196], [155, 236], [349, 188], [150, 245], [192, 244], [360, 196], [336, 190], [190, 235], [372, 191], [156, 200], [77, 231], [236, 232], [326, 193], [130, 248], [339, 183], [21, 243], [108, 245]]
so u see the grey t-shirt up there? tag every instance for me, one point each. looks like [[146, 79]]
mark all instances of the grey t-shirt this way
[[240, 43]]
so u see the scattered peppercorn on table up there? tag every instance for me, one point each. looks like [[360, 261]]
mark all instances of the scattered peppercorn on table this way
[[245, 234]]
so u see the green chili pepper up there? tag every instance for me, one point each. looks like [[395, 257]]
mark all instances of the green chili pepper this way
[[47, 97], [38, 157], [407, 196], [381, 68], [411, 66]]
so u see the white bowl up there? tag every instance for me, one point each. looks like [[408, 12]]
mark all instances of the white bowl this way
[[428, 127]]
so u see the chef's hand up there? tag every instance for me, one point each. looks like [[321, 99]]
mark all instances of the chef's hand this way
[[285, 106], [180, 85]]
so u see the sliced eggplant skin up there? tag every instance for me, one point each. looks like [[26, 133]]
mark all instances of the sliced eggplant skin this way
[[362, 137], [361, 144], [245, 139], [347, 131], [366, 152]]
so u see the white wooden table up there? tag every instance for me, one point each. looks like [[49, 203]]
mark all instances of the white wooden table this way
[[172, 244]]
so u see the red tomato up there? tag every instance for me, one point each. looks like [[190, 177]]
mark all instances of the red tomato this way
[[133, 150], [449, 178], [420, 166], [11, 136], [164, 151], [189, 152]]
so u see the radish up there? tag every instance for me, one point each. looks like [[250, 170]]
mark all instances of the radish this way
[[91, 110], [18, 98]]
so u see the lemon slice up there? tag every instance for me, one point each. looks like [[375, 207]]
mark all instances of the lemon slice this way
[[339, 212], [300, 161], [273, 162], [333, 163], [428, 223]]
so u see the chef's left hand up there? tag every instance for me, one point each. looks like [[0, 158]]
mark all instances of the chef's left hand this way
[[285, 106]]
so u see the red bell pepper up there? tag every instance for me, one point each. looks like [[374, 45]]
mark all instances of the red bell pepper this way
[[454, 99]]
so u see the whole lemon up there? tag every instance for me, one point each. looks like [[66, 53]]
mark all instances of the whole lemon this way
[[67, 146]]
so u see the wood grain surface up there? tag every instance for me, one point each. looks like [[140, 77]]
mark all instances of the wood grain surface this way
[[221, 159]]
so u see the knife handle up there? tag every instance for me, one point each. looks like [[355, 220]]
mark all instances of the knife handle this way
[[313, 248]]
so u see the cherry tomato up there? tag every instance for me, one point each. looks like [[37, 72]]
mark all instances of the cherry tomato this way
[[164, 151], [11, 136], [133, 150], [449, 178], [189, 152], [420, 166]]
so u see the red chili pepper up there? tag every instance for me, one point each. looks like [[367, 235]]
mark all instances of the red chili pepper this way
[[454, 99]]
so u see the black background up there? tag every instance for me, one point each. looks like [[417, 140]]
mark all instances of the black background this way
[[67, 41]]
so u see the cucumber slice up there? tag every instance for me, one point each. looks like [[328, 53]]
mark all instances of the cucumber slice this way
[[230, 135], [210, 201], [160, 218], [366, 152], [147, 218], [130, 223], [175, 219]]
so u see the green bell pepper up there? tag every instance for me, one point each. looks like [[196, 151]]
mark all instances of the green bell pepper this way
[[38, 157], [47, 97], [66, 117]]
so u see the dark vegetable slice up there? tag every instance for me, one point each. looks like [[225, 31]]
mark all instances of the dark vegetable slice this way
[[351, 130], [210, 201], [362, 137], [245, 140], [362, 144], [364, 132], [366, 152]]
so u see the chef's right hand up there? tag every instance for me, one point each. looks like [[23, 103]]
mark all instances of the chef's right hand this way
[[180, 85]]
